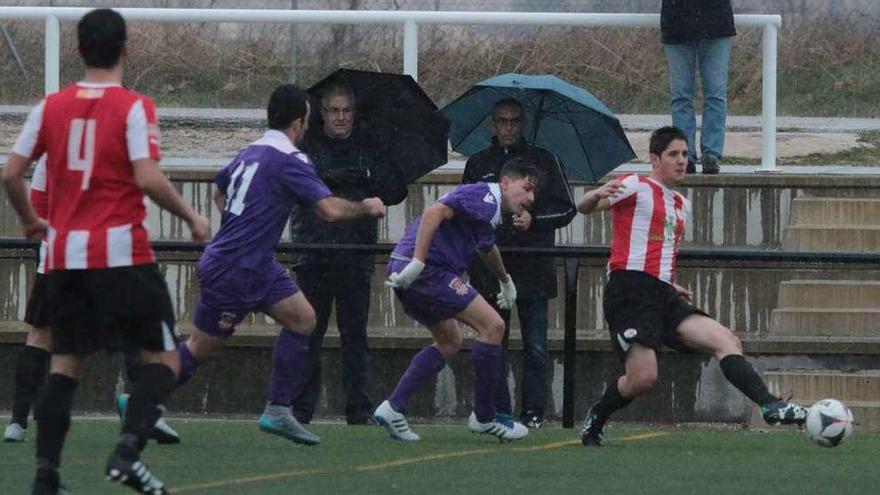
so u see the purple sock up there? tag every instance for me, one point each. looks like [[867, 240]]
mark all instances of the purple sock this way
[[486, 358], [188, 365], [423, 368], [287, 368]]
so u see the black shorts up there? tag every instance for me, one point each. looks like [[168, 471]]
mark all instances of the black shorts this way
[[37, 312], [641, 308], [116, 309]]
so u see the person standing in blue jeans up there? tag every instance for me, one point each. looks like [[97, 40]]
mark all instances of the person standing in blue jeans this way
[[699, 34]]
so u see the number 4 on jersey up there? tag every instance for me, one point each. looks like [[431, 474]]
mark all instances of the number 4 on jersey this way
[[237, 190], [81, 148]]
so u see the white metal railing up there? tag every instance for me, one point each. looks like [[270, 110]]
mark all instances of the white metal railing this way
[[410, 20]]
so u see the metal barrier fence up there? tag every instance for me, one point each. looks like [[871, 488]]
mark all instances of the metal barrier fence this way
[[410, 20], [572, 254]]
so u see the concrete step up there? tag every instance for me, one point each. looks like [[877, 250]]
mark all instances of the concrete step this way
[[831, 211], [852, 294], [860, 391], [866, 415], [812, 385], [827, 237], [838, 322]]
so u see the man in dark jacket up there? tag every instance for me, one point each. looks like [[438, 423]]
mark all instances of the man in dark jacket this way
[[698, 33], [534, 276], [355, 167]]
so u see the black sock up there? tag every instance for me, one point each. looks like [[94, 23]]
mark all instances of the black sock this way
[[133, 365], [30, 374], [129, 446], [610, 402], [153, 385], [744, 377], [52, 411]]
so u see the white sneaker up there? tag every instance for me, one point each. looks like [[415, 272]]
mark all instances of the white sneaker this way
[[502, 426], [164, 434], [394, 422], [14, 433]]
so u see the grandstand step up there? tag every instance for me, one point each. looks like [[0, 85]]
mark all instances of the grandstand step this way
[[860, 391], [845, 237], [837, 322], [830, 211], [861, 386], [829, 294]]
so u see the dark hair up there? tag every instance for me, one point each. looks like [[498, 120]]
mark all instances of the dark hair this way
[[506, 102], [338, 90], [661, 138], [286, 104], [520, 167], [101, 35]]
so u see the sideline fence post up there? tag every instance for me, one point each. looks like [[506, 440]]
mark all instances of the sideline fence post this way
[[411, 48], [569, 360], [768, 99], [53, 54], [293, 56]]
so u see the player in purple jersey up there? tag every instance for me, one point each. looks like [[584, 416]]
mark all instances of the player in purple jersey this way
[[427, 272], [238, 272]]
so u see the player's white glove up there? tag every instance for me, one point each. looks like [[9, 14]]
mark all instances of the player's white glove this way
[[507, 294], [407, 276]]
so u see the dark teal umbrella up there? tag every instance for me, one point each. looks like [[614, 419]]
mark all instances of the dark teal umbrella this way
[[560, 117]]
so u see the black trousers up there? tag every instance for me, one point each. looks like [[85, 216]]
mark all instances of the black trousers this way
[[348, 288]]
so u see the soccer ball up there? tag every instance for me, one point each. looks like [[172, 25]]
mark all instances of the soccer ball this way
[[829, 422]]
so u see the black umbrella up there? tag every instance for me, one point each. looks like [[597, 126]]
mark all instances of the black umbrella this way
[[394, 110]]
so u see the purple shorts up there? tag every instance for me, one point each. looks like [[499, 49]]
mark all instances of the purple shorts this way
[[435, 296], [229, 293]]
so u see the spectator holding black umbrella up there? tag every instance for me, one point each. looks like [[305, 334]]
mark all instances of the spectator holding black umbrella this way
[[353, 167], [535, 277], [376, 133]]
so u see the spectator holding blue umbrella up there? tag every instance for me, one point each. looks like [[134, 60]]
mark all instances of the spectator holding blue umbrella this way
[[568, 134], [558, 116], [535, 277]]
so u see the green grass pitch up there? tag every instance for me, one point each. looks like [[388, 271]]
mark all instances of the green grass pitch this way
[[233, 457]]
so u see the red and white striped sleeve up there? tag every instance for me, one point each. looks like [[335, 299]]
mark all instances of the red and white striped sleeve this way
[[31, 143], [142, 131], [630, 186]]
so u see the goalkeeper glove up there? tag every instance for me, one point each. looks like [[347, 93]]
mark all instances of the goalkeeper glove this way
[[407, 276]]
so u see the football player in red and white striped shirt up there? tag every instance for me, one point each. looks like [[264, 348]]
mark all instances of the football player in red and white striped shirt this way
[[643, 306], [33, 360], [105, 289], [32, 365]]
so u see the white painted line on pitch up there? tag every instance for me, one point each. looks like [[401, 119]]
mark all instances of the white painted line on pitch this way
[[414, 460], [394, 463], [253, 479], [644, 436]]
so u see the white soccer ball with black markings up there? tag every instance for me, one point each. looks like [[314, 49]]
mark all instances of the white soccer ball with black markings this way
[[829, 422]]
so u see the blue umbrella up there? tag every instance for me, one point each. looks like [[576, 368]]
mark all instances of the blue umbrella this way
[[560, 117]]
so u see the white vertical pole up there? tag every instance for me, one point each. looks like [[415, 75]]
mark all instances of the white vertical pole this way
[[53, 54], [411, 48], [292, 29], [768, 113]]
